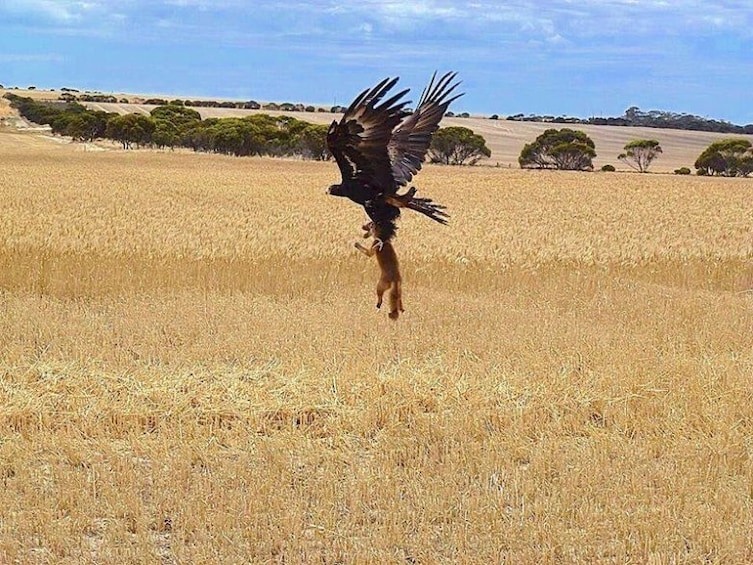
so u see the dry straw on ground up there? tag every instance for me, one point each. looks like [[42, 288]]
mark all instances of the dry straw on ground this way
[[192, 369]]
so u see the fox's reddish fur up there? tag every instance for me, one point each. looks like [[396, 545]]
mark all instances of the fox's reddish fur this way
[[390, 269]]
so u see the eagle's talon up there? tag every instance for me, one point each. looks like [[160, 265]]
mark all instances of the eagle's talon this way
[[378, 243]]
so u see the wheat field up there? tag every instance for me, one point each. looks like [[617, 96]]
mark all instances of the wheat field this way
[[192, 369]]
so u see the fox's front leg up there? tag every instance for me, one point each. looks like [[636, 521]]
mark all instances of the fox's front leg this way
[[376, 245], [368, 251]]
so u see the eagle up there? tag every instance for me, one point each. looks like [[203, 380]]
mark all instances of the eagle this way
[[379, 146]]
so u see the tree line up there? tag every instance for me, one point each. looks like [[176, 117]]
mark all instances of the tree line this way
[[176, 125], [68, 96], [635, 117]]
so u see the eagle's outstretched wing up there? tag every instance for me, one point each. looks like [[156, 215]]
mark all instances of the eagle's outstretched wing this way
[[359, 140], [410, 141]]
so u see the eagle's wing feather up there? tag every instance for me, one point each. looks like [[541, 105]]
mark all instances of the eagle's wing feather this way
[[410, 141], [359, 140]]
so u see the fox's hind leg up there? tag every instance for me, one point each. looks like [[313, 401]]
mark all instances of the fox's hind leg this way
[[396, 300], [382, 287]]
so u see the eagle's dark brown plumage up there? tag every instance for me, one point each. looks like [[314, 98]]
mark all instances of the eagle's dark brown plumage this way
[[379, 147]]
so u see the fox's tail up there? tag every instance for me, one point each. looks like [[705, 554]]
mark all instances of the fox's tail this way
[[396, 300]]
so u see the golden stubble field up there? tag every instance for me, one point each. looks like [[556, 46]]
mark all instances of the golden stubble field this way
[[192, 369]]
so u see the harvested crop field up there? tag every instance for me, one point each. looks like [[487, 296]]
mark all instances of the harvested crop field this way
[[192, 368]]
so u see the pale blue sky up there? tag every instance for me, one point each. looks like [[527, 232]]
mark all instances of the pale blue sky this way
[[573, 57]]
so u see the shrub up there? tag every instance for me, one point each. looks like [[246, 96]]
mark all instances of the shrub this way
[[608, 168], [682, 171]]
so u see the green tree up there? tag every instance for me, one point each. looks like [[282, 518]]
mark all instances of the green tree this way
[[196, 136], [283, 134], [176, 114], [564, 149], [229, 135], [131, 129], [171, 122], [87, 126], [250, 135], [61, 124], [727, 157], [457, 145], [313, 142], [165, 134], [640, 153]]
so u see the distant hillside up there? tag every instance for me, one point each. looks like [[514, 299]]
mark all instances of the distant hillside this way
[[505, 137], [633, 116]]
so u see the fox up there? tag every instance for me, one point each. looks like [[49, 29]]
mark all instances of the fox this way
[[389, 266]]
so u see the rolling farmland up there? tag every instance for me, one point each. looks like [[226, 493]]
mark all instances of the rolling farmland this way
[[504, 138], [507, 138]]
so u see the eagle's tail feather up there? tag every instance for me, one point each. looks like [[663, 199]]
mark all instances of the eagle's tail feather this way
[[428, 208], [424, 205]]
